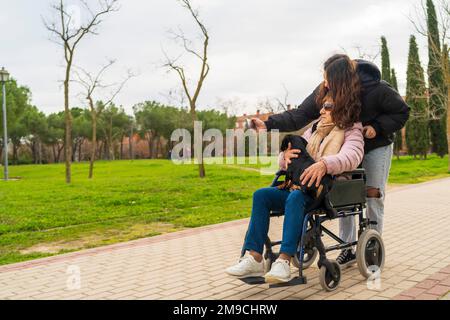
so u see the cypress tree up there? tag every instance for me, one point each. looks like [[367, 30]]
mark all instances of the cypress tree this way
[[436, 84], [398, 135], [394, 79], [417, 138], [385, 63]]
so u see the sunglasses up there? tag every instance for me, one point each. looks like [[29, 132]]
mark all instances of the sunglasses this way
[[328, 106]]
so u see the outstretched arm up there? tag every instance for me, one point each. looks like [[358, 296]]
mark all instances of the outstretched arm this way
[[296, 119]]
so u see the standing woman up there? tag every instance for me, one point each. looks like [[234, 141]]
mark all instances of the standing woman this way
[[383, 112]]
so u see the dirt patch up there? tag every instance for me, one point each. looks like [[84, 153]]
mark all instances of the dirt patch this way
[[105, 237]]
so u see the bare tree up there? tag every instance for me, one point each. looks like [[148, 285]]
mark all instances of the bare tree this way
[[283, 104], [202, 56], [267, 104], [364, 54], [91, 85], [231, 106], [175, 96], [69, 33]]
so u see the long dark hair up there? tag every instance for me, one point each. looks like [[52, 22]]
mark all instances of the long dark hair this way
[[344, 88]]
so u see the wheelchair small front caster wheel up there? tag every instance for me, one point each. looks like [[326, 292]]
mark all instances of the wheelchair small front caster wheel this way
[[370, 253], [330, 279]]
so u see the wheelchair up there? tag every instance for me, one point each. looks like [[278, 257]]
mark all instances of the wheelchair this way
[[346, 198]]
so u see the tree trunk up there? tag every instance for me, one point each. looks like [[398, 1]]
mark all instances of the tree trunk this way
[[33, 151], [54, 153], [74, 150], [154, 147], [121, 148], [40, 151], [130, 145], [198, 154], [150, 137], [110, 142], [79, 150], [58, 160], [68, 129], [15, 153], [106, 150], [94, 142], [99, 149]]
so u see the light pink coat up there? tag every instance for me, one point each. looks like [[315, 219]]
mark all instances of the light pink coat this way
[[348, 158]]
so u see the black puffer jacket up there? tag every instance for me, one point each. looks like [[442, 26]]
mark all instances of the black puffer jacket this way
[[382, 108]]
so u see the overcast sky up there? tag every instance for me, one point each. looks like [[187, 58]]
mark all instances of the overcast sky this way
[[257, 46]]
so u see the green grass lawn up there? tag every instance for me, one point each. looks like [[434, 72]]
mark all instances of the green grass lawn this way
[[41, 215], [408, 170]]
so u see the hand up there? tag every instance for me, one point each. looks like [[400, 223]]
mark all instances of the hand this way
[[314, 174], [369, 132], [257, 124], [290, 153]]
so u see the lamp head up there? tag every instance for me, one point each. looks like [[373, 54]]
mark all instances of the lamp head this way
[[4, 75]]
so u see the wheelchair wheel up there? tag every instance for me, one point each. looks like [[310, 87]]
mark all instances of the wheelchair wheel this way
[[310, 252], [308, 258], [326, 278], [370, 253]]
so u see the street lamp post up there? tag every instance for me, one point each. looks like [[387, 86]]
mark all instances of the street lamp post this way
[[4, 76]]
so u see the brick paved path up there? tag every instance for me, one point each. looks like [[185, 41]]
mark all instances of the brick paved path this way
[[190, 264]]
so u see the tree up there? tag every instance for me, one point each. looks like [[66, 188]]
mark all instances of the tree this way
[[92, 84], [156, 121], [417, 138], [55, 134], [385, 61], [173, 65], [35, 123], [81, 131], [113, 121], [69, 36], [436, 82], [398, 141]]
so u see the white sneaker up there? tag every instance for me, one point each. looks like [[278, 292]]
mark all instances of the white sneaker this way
[[247, 267], [280, 272]]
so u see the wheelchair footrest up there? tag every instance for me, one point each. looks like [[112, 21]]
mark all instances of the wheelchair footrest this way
[[253, 280], [293, 282]]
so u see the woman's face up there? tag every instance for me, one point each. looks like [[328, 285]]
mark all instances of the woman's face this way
[[325, 116]]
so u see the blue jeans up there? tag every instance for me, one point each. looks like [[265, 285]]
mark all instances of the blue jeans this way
[[266, 199]]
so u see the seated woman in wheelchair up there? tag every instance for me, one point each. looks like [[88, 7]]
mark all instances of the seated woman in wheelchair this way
[[336, 143]]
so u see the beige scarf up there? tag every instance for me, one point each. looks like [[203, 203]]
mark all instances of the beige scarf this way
[[326, 140]]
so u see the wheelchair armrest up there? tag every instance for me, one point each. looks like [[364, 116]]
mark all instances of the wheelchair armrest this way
[[275, 181], [358, 173], [280, 173]]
